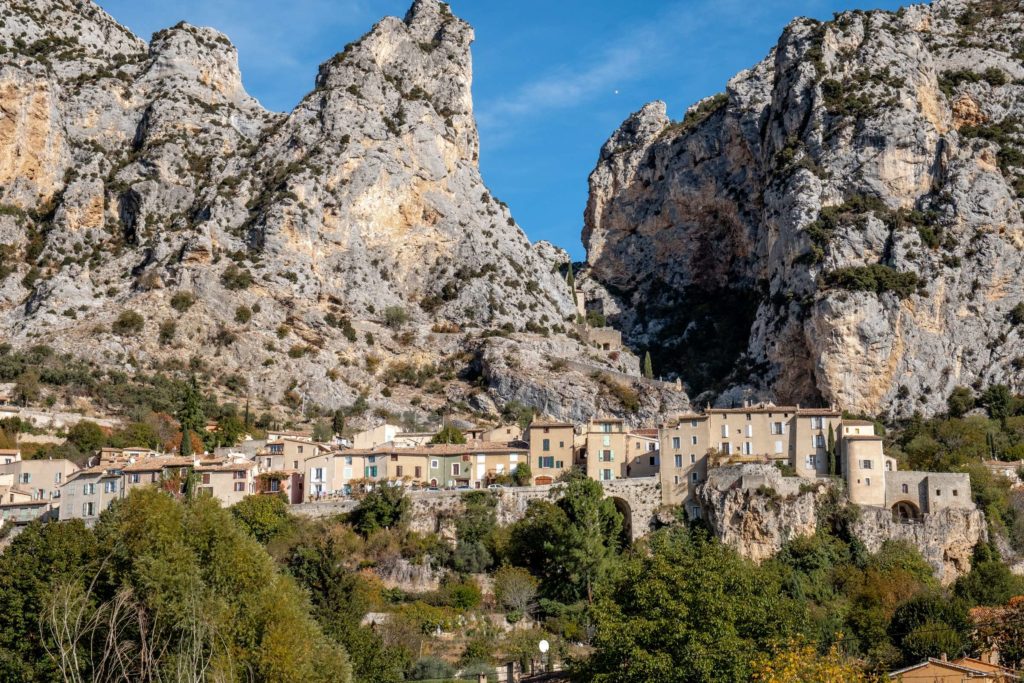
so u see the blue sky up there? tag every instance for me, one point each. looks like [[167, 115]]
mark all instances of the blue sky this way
[[552, 79]]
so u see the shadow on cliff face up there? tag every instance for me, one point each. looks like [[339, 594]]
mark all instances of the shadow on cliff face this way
[[701, 334]]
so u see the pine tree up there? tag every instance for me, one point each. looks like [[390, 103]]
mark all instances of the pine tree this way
[[648, 367]]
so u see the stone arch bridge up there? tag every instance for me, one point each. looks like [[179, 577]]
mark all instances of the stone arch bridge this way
[[638, 499]]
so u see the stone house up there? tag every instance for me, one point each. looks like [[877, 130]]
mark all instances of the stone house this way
[[642, 453], [228, 481], [9, 455], [941, 670], [604, 450], [90, 491], [551, 449], [376, 436], [41, 478]]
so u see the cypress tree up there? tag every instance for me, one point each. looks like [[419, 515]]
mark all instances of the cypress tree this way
[[648, 367], [190, 415], [832, 451]]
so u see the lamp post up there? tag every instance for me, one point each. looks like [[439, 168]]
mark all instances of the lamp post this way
[[543, 646]]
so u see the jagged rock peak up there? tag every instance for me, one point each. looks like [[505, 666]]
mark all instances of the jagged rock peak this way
[[639, 128], [432, 20], [196, 54]]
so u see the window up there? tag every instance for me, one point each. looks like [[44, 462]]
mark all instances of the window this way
[[606, 456], [905, 489], [133, 478], [693, 440], [558, 464], [88, 509], [398, 470], [348, 460], [747, 448], [675, 480], [546, 445], [206, 477], [778, 428], [693, 423], [748, 417], [456, 469], [419, 471], [275, 485], [693, 458], [110, 486], [676, 442], [811, 462], [679, 461], [819, 440], [546, 461], [239, 475], [726, 448], [865, 464], [725, 431], [694, 477], [371, 471], [778, 446], [955, 493], [88, 489], [652, 460], [58, 478], [867, 481], [938, 492], [26, 477], [300, 449], [295, 464], [394, 457], [750, 430], [318, 474], [606, 475], [817, 422], [268, 462], [239, 487], [606, 427], [606, 440]]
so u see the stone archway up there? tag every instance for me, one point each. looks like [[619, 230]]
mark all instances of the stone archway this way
[[906, 511], [626, 534]]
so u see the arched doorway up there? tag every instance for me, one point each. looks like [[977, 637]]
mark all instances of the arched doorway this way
[[626, 535], [905, 511]]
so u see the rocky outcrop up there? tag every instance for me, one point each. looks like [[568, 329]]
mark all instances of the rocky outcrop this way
[[756, 511], [945, 538], [318, 254], [841, 225]]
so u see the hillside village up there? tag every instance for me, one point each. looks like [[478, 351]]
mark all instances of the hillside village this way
[[809, 443]]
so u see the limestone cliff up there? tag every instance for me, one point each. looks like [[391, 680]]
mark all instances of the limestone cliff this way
[[346, 248], [755, 510], [842, 224]]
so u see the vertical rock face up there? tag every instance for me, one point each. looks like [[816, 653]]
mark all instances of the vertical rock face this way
[[131, 173], [756, 511], [842, 224]]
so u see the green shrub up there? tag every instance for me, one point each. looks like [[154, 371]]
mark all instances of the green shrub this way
[[877, 278], [129, 322], [395, 317], [243, 314], [235, 278], [168, 328], [182, 301]]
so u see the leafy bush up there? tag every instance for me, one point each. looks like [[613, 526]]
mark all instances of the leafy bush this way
[[235, 278], [243, 314], [182, 301], [128, 322], [395, 317]]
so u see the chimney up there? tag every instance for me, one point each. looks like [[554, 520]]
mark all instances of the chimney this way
[[943, 657]]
